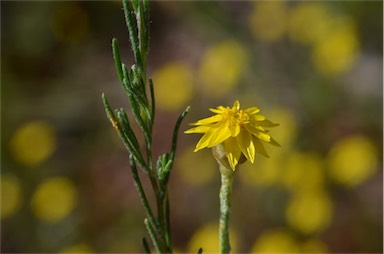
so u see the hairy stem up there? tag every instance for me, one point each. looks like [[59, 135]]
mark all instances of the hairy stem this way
[[225, 207]]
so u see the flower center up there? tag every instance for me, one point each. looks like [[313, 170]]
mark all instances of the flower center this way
[[237, 117]]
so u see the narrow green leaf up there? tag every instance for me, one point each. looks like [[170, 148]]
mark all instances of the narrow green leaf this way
[[164, 160], [145, 3], [129, 90], [126, 127], [175, 133], [118, 127], [159, 165], [116, 57], [143, 31], [126, 74], [146, 25], [164, 174], [138, 81], [152, 234], [129, 145], [108, 110], [135, 4], [139, 120], [168, 165], [132, 29], [146, 246], [137, 102], [153, 104]]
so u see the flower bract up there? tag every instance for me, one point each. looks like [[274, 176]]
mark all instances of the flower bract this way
[[239, 131]]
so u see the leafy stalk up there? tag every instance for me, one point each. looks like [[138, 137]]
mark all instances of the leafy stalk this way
[[134, 83]]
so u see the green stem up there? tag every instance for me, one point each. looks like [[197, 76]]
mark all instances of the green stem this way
[[141, 192], [168, 236], [225, 206]]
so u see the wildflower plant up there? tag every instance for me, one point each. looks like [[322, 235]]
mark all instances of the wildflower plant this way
[[135, 84], [235, 136]]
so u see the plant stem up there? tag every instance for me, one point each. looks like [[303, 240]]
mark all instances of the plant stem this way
[[225, 206]]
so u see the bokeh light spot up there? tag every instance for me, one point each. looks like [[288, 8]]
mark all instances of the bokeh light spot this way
[[207, 237], [11, 195], [54, 199], [352, 160], [221, 68], [309, 211], [338, 51], [275, 241], [268, 20], [309, 22], [173, 85], [303, 172], [33, 143]]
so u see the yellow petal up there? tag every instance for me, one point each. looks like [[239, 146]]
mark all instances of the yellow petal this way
[[233, 152], [213, 137], [273, 142], [217, 110], [236, 105], [244, 140], [258, 118], [263, 136], [259, 147], [198, 129], [204, 141], [267, 123], [255, 129], [219, 135], [235, 130], [209, 120], [252, 111]]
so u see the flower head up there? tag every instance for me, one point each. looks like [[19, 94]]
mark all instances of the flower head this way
[[240, 131]]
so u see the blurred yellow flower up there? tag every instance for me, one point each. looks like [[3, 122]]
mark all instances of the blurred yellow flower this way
[[221, 68], [268, 20], [309, 22], [352, 160], [309, 212], [239, 130], [275, 241], [11, 195], [173, 85], [33, 143], [207, 238], [303, 172], [54, 199], [195, 169], [78, 248], [281, 241], [338, 51]]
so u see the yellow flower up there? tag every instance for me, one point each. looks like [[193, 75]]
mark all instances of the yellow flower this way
[[239, 130]]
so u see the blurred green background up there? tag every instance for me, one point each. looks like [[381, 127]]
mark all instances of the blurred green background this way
[[314, 67]]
